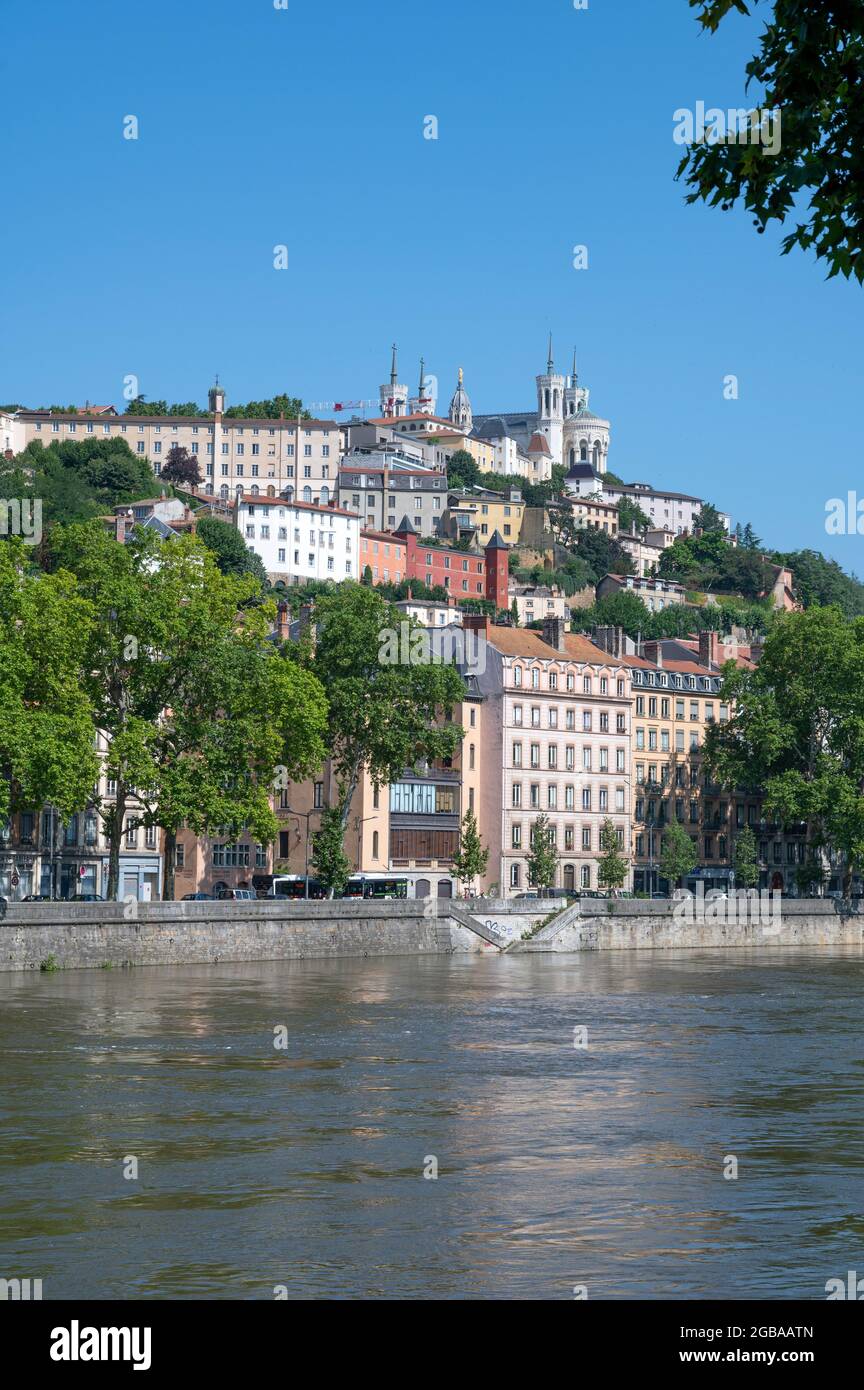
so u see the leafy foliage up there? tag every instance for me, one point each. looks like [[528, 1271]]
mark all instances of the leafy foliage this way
[[229, 550], [328, 857], [46, 730], [611, 864], [809, 64], [678, 854], [77, 480], [181, 467], [384, 716], [542, 857], [797, 729], [198, 710], [471, 860]]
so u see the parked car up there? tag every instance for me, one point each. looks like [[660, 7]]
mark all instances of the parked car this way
[[38, 898], [245, 894], [663, 896], [198, 898], [85, 898]]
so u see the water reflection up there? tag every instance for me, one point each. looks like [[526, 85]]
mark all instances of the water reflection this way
[[557, 1165]]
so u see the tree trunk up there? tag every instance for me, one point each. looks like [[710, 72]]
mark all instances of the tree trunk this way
[[170, 866], [115, 841]]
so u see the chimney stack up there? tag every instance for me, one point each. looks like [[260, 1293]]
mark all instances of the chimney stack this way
[[476, 622], [283, 622], [609, 639], [709, 648], [553, 633], [653, 651]]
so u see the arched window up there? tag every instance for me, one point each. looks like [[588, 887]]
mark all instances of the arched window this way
[[596, 453], [583, 452], [271, 491], [289, 494], [255, 490], [514, 875], [209, 489], [572, 457], [374, 844], [223, 491], [325, 494], [546, 398], [555, 399], [307, 494]]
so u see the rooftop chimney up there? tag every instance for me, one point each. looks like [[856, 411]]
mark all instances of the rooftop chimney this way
[[609, 639], [553, 633], [709, 648], [476, 622], [283, 622]]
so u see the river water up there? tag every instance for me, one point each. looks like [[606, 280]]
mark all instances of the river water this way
[[301, 1169]]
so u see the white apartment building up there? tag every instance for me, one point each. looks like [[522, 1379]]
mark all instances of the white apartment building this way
[[556, 742], [297, 541], [12, 435], [270, 458]]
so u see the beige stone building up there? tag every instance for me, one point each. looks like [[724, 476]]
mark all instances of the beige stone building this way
[[555, 742], [267, 458]]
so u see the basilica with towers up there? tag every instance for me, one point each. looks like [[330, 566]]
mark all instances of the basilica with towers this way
[[561, 431]]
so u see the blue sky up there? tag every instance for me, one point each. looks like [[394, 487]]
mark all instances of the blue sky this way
[[260, 127]]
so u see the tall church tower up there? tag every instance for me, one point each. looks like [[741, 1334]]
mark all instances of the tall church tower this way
[[393, 396], [460, 407], [575, 396], [550, 407], [427, 392]]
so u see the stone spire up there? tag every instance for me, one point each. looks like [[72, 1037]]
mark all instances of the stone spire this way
[[550, 364], [460, 406]]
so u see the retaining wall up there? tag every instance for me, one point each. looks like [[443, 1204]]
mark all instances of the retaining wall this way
[[82, 935], [628, 925]]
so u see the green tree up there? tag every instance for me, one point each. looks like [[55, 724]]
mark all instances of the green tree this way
[[233, 556], [797, 730], [385, 715], [542, 857], [170, 673], [181, 467], [329, 860], [46, 727], [745, 860], [291, 407], [602, 553], [678, 854], [631, 517], [708, 519], [620, 610], [809, 67], [471, 860], [232, 736], [463, 471], [819, 581], [76, 480], [611, 863]]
